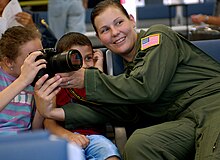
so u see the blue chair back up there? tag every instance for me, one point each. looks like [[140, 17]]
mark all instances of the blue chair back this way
[[37, 145], [211, 47]]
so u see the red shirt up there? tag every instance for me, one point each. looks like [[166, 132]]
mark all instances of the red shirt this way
[[66, 96]]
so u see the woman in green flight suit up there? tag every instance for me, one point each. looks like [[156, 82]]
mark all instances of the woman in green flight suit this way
[[169, 86]]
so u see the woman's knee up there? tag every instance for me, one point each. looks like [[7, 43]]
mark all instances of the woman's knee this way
[[171, 139], [136, 146], [136, 140]]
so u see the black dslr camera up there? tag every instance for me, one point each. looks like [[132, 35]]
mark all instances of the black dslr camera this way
[[59, 62]]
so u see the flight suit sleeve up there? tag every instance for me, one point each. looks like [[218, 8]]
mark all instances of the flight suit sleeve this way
[[147, 80]]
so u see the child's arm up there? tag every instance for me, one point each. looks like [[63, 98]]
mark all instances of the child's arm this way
[[37, 121], [11, 91], [58, 130]]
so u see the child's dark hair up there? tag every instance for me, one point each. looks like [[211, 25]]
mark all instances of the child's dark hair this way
[[14, 38], [70, 39]]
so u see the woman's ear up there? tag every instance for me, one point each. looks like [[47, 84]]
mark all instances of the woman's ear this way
[[132, 19]]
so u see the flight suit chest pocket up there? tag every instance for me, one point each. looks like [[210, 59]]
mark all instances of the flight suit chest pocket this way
[[139, 65]]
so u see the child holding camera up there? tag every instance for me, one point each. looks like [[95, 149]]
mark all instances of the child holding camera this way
[[17, 71], [90, 138]]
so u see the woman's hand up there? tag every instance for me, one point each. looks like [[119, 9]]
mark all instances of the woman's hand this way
[[45, 94], [73, 79]]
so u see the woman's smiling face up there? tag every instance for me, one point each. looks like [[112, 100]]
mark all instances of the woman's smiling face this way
[[116, 31]]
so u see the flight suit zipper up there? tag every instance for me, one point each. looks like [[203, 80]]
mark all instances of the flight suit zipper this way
[[216, 143]]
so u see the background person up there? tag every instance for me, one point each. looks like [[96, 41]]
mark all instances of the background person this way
[[33, 20], [170, 89], [199, 19], [208, 19], [66, 16]]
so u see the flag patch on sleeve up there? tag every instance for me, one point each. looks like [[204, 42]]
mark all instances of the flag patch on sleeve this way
[[150, 41]]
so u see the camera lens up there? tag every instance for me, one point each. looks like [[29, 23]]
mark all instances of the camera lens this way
[[66, 61], [59, 63]]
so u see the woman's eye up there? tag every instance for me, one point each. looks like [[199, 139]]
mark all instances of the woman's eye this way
[[119, 22], [104, 30]]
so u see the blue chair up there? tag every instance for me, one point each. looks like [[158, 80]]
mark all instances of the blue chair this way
[[26, 136], [37, 145], [114, 63], [211, 47]]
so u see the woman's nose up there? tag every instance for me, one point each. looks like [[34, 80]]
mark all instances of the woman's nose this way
[[114, 31]]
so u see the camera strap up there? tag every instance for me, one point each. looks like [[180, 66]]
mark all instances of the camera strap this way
[[81, 99]]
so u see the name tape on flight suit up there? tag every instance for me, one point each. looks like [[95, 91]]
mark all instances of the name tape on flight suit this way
[[150, 41]]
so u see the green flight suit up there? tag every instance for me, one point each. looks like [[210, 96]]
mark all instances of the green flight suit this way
[[172, 84]]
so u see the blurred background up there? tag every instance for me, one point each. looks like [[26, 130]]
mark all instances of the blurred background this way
[[175, 13]]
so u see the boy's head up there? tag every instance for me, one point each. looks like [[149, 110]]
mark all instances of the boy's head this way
[[80, 42]]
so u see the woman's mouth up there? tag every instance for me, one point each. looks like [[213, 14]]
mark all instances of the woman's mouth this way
[[119, 40]]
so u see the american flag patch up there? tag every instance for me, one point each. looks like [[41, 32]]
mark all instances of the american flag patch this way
[[150, 41]]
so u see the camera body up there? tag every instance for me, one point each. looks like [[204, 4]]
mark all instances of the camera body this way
[[59, 62]]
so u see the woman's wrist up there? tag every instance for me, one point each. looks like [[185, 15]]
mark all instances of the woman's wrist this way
[[57, 114]]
